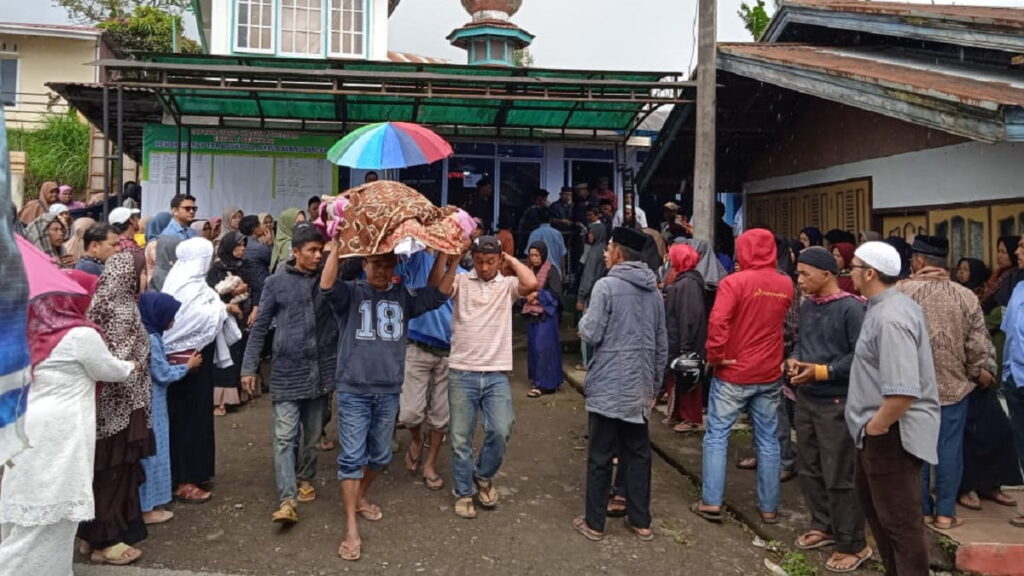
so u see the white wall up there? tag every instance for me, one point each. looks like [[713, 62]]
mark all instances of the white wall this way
[[220, 27], [378, 48], [953, 174]]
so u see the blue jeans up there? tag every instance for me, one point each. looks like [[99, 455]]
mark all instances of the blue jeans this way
[[725, 403], [297, 427], [951, 463], [366, 423], [488, 394]]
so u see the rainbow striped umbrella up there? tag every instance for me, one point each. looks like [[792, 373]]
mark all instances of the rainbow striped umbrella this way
[[389, 145]]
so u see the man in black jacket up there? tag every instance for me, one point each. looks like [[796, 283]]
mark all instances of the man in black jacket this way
[[819, 368], [305, 359]]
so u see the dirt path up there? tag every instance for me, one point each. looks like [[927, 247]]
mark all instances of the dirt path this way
[[542, 490]]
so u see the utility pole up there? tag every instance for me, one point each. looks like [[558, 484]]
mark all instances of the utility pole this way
[[703, 218]]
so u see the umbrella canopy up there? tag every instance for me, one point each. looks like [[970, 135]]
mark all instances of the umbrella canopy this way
[[43, 275], [389, 145]]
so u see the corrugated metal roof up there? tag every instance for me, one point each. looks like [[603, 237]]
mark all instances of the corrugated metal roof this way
[[894, 70], [415, 58], [974, 15]]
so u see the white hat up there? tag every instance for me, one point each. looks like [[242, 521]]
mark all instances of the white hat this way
[[121, 215], [56, 209], [881, 257]]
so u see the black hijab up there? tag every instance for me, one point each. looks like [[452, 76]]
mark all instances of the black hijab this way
[[226, 249]]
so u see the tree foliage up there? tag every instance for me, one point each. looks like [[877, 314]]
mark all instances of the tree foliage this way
[[96, 11], [756, 17], [148, 29], [523, 58]]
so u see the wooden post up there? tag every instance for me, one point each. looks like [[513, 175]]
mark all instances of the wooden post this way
[[703, 218]]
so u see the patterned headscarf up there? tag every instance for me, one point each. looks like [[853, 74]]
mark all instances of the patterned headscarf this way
[[37, 234], [115, 310]]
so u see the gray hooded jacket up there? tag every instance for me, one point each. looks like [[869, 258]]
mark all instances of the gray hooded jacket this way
[[625, 322]]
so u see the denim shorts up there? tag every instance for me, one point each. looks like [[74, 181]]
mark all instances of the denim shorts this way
[[366, 424]]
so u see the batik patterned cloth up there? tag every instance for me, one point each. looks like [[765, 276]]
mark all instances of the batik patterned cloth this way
[[383, 213]]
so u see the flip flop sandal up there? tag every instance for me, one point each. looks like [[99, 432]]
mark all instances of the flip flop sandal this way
[[1017, 522], [968, 503], [535, 393], [487, 493], [747, 463], [860, 560], [119, 554], [579, 524], [372, 513], [434, 483], [770, 517], [999, 498], [192, 495], [616, 507], [348, 552], [412, 465], [160, 517], [644, 535], [465, 509], [708, 515], [954, 523], [684, 427], [307, 493], [823, 540]]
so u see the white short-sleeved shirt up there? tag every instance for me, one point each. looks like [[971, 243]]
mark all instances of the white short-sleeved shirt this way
[[482, 323]]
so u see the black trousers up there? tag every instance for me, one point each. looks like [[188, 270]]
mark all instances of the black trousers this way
[[609, 438], [825, 464], [888, 481]]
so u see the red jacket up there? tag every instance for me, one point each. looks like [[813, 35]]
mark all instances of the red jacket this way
[[750, 309]]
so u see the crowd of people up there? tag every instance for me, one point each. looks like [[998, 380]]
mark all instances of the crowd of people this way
[[889, 367]]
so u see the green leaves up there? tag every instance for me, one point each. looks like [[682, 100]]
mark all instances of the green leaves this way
[[58, 151], [755, 18]]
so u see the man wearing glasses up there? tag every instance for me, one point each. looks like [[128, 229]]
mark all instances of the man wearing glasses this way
[[183, 212]]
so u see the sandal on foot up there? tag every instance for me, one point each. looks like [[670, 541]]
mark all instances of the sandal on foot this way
[[219, 411], [579, 368], [372, 512], [684, 427], [579, 523], [969, 500], [350, 552], [307, 493], [286, 514], [813, 539], [999, 497], [325, 445], [434, 483], [1017, 522], [643, 534], [770, 517], [709, 515], [119, 554], [953, 522], [861, 557], [616, 507], [535, 393], [157, 517], [747, 463], [192, 494], [412, 464], [486, 493], [464, 508]]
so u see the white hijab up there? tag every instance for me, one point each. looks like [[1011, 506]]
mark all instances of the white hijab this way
[[202, 315]]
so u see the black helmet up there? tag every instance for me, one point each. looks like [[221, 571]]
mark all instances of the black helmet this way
[[688, 369]]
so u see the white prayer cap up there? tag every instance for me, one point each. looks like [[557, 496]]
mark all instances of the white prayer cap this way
[[881, 257]]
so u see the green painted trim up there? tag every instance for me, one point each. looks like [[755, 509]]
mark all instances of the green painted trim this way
[[468, 34], [198, 13]]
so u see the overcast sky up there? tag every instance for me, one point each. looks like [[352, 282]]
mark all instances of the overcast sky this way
[[654, 35]]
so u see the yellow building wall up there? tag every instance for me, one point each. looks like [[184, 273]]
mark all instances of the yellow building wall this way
[[45, 59]]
